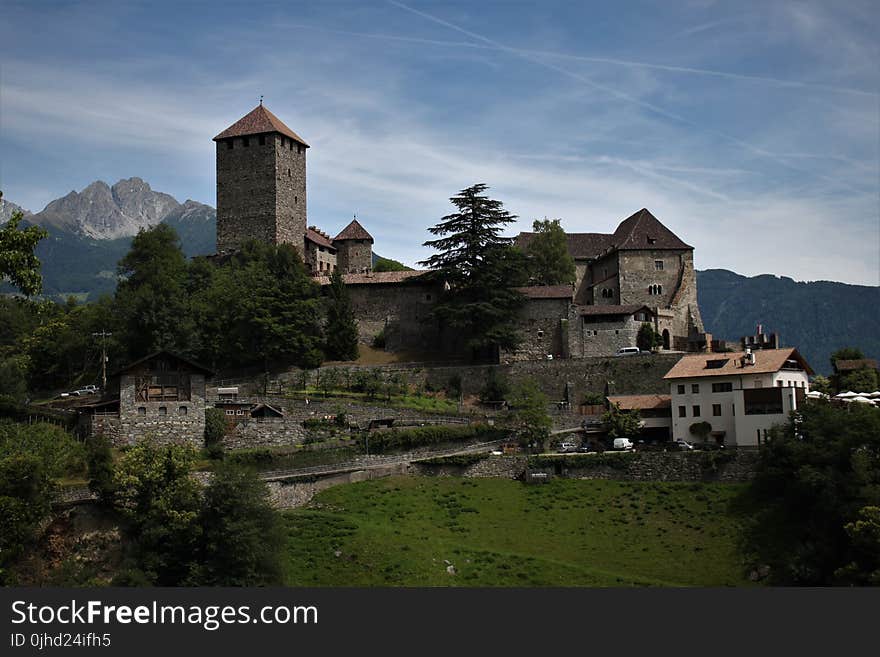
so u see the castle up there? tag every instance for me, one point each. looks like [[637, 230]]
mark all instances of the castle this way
[[642, 272], [261, 194]]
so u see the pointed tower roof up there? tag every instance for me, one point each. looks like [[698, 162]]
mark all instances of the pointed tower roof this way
[[644, 231], [354, 231], [259, 121]]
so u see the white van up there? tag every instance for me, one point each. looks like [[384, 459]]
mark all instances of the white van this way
[[623, 443], [628, 351]]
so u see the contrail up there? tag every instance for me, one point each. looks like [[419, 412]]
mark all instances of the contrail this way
[[619, 94]]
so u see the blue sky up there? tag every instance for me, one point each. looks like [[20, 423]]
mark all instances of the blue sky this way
[[751, 129]]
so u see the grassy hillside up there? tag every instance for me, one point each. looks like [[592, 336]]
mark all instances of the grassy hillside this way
[[817, 318], [402, 532]]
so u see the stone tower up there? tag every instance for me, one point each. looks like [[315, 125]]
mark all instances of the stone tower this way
[[261, 183], [354, 249]]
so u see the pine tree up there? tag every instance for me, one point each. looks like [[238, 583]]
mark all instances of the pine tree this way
[[481, 270], [341, 329], [549, 260]]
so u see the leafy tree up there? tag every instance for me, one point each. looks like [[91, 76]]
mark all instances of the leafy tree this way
[[813, 477], [99, 458], [622, 424], [549, 260], [341, 329], [151, 296], [241, 542], [863, 380], [386, 264], [161, 504], [32, 456], [647, 338], [821, 384], [496, 388], [480, 269], [529, 417], [701, 430], [215, 430], [864, 537], [18, 263]]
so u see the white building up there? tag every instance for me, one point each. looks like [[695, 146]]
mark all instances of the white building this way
[[740, 394]]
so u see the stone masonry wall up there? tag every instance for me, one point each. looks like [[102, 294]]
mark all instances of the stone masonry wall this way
[[290, 195], [541, 323], [354, 256], [174, 425], [402, 311]]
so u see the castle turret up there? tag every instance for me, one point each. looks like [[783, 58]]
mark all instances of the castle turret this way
[[261, 183], [354, 249]]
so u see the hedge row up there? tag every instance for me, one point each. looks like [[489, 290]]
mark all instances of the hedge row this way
[[385, 441]]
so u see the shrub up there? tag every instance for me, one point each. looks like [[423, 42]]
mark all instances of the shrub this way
[[379, 340]]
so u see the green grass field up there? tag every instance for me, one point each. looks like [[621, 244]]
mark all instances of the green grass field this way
[[402, 531]]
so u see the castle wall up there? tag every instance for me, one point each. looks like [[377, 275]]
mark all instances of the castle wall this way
[[638, 271], [401, 310], [602, 336], [290, 199], [543, 328], [601, 274], [261, 191]]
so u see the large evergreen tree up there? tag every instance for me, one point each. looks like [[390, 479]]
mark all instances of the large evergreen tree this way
[[151, 297], [481, 270], [341, 333], [549, 260]]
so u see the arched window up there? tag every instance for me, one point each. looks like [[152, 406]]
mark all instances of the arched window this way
[[659, 289]]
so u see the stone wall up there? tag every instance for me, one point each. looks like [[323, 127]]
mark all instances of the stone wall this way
[[180, 421], [298, 492], [107, 426], [268, 432], [261, 191], [504, 467], [401, 310], [354, 256], [543, 328], [597, 335]]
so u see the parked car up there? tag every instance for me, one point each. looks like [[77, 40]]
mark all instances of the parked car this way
[[679, 446], [85, 390], [567, 448], [628, 351], [623, 443]]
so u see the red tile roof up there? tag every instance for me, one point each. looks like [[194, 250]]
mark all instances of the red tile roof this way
[[636, 232], [314, 236], [259, 121], [547, 291], [767, 361], [611, 310], [640, 402], [845, 365], [580, 245], [374, 278], [354, 231]]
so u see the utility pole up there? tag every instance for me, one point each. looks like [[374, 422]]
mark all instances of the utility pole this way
[[104, 335]]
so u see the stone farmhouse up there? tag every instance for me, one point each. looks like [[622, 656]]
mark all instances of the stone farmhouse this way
[[642, 272], [162, 395]]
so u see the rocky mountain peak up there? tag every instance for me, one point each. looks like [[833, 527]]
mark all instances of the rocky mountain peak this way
[[103, 212]]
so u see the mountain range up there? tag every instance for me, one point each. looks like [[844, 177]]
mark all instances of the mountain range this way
[[89, 231]]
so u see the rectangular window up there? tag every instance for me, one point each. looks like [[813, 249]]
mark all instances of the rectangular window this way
[[658, 265], [779, 383], [681, 389], [716, 410], [183, 410], [695, 388], [245, 141], [682, 411], [229, 144], [765, 401], [733, 409], [239, 412], [163, 410], [142, 410], [262, 140], [230, 411], [696, 411], [722, 387]]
